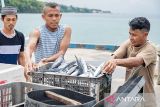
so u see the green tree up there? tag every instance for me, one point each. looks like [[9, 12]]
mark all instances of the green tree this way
[[34, 6]]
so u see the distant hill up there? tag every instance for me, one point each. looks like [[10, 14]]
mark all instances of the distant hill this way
[[81, 10], [33, 6]]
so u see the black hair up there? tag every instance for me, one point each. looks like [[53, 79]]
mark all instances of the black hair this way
[[51, 5], [140, 23], [3, 16]]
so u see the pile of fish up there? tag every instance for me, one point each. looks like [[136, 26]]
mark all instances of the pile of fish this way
[[78, 67]]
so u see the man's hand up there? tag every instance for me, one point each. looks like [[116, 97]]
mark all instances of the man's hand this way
[[110, 66], [43, 62], [30, 66]]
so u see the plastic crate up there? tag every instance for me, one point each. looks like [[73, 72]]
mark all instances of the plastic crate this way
[[13, 94], [17, 72], [101, 85]]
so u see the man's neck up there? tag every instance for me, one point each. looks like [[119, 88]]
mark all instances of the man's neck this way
[[50, 29], [8, 32]]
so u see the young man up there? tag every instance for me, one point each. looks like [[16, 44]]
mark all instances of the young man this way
[[50, 40], [135, 52], [11, 40]]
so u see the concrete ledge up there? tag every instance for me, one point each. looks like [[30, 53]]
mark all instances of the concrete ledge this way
[[93, 46]]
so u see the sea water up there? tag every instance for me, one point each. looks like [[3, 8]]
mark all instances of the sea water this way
[[93, 28]]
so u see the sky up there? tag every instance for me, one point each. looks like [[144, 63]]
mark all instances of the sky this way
[[151, 7]]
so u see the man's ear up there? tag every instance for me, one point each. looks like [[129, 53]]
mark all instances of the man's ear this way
[[60, 15], [145, 35], [2, 19], [43, 16]]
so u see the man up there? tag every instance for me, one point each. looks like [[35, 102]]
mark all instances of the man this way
[[11, 40], [135, 52], [50, 40]]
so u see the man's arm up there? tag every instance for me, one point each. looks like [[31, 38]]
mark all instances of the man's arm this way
[[31, 46], [63, 46], [122, 50], [118, 59], [130, 62], [21, 59], [126, 62]]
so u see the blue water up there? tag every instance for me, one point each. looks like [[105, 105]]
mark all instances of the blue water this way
[[92, 28]]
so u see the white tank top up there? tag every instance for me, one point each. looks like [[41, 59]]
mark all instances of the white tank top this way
[[49, 42]]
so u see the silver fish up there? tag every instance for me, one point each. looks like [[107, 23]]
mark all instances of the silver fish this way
[[84, 75], [81, 65], [91, 74], [75, 73], [68, 66], [53, 70], [100, 75], [57, 62], [99, 69], [63, 65], [91, 67], [87, 74], [70, 71], [84, 65]]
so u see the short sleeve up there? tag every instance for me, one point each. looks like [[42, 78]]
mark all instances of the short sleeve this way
[[22, 42], [148, 54], [122, 50]]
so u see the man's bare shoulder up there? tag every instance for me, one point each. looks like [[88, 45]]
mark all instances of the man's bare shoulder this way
[[67, 28], [36, 31]]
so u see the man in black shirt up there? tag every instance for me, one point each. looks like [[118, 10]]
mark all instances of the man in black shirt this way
[[11, 40]]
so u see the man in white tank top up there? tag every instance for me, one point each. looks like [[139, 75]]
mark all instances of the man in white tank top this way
[[51, 40]]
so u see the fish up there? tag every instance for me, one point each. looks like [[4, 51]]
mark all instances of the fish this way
[[70, 71], [81, 65], [91, 74], [84, 65], [84, 75], [99, 69], [91, 67], [68, 66], [87, 74], [75, 73], [63, 65], [100, 75], [57, 62], [53, 70]]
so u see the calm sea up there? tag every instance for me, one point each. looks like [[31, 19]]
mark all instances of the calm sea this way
[[92, 28]]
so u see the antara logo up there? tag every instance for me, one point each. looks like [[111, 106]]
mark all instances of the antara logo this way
[[130, 99], [113, 99]]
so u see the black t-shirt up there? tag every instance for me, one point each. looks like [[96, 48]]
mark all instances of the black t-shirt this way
[[11, 47]]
